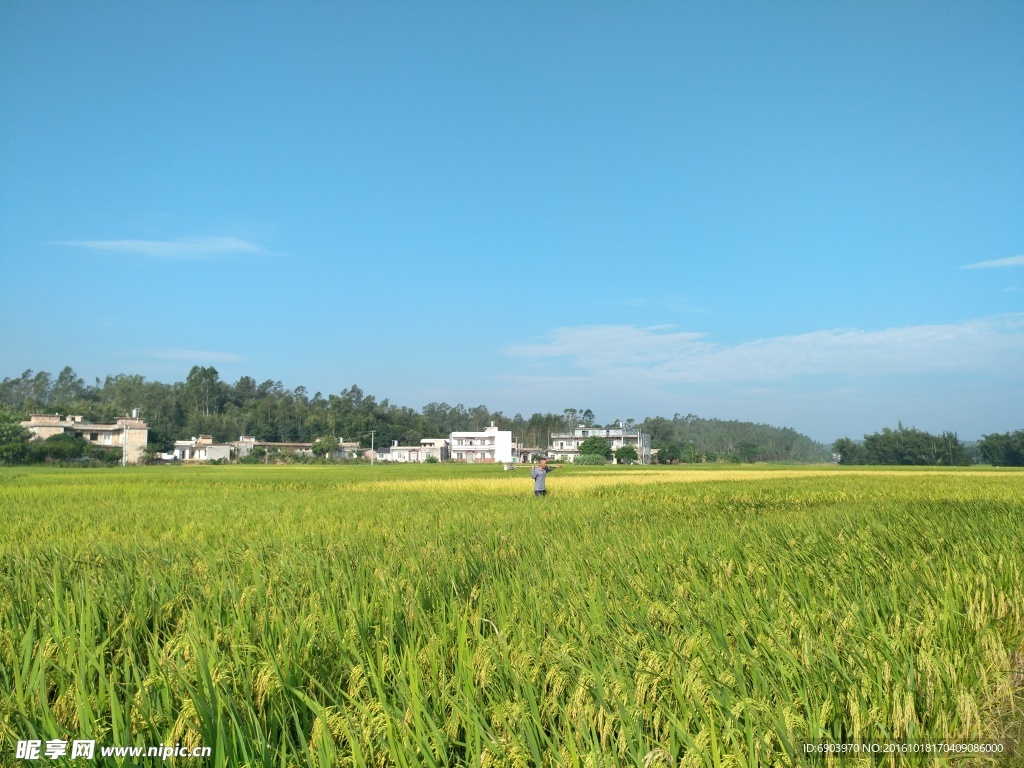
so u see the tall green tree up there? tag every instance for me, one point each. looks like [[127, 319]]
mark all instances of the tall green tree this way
[[715, 436], [203, 387], [910, 446], [848, 451], [626, 454], [595, 446], [325, 445], [68, 388], [1003, 450], [670, 454], [747, 451], [13, 439]]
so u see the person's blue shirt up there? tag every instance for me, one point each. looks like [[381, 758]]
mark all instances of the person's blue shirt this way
[[539, 474]]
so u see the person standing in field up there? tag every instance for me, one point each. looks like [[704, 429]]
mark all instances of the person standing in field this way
[[539, 474]]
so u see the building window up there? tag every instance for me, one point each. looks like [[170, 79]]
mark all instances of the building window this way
[[106, 439]]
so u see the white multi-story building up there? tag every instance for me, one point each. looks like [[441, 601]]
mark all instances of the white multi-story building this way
[[491, 446], [566, 446]]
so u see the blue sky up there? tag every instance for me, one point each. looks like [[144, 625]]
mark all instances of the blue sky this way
[[802, 214]]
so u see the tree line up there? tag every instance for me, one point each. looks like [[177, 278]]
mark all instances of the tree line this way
[[1003, 450], [910, 446], [205, 404], [269, 411], [692, 439]]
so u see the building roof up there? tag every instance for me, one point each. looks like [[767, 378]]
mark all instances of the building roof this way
[[54, 420]]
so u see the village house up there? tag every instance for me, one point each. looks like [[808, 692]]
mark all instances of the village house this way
[[347, 450], [377, 454], [200, 448], [565, 446], [246, 443], [127, 432], [405, 454], [438, 447], [487, 447], [528, 455], [401, 454], [344, 450]]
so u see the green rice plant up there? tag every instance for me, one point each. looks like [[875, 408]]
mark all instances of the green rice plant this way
[[441, 615]]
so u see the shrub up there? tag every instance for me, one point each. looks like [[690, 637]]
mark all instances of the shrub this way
[[590, 458], [58, 448], [14, 439]]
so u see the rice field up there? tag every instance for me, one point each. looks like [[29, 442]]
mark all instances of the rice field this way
[[442, 616]]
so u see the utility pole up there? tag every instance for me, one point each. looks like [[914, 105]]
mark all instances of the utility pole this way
[[372, 433]]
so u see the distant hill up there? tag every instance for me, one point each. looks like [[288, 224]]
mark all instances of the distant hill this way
[[713, 439]]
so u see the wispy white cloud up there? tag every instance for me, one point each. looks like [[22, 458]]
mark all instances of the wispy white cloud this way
[[1011, 261], [195, 355], [184, 248], [612, 346], [661, 354]]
